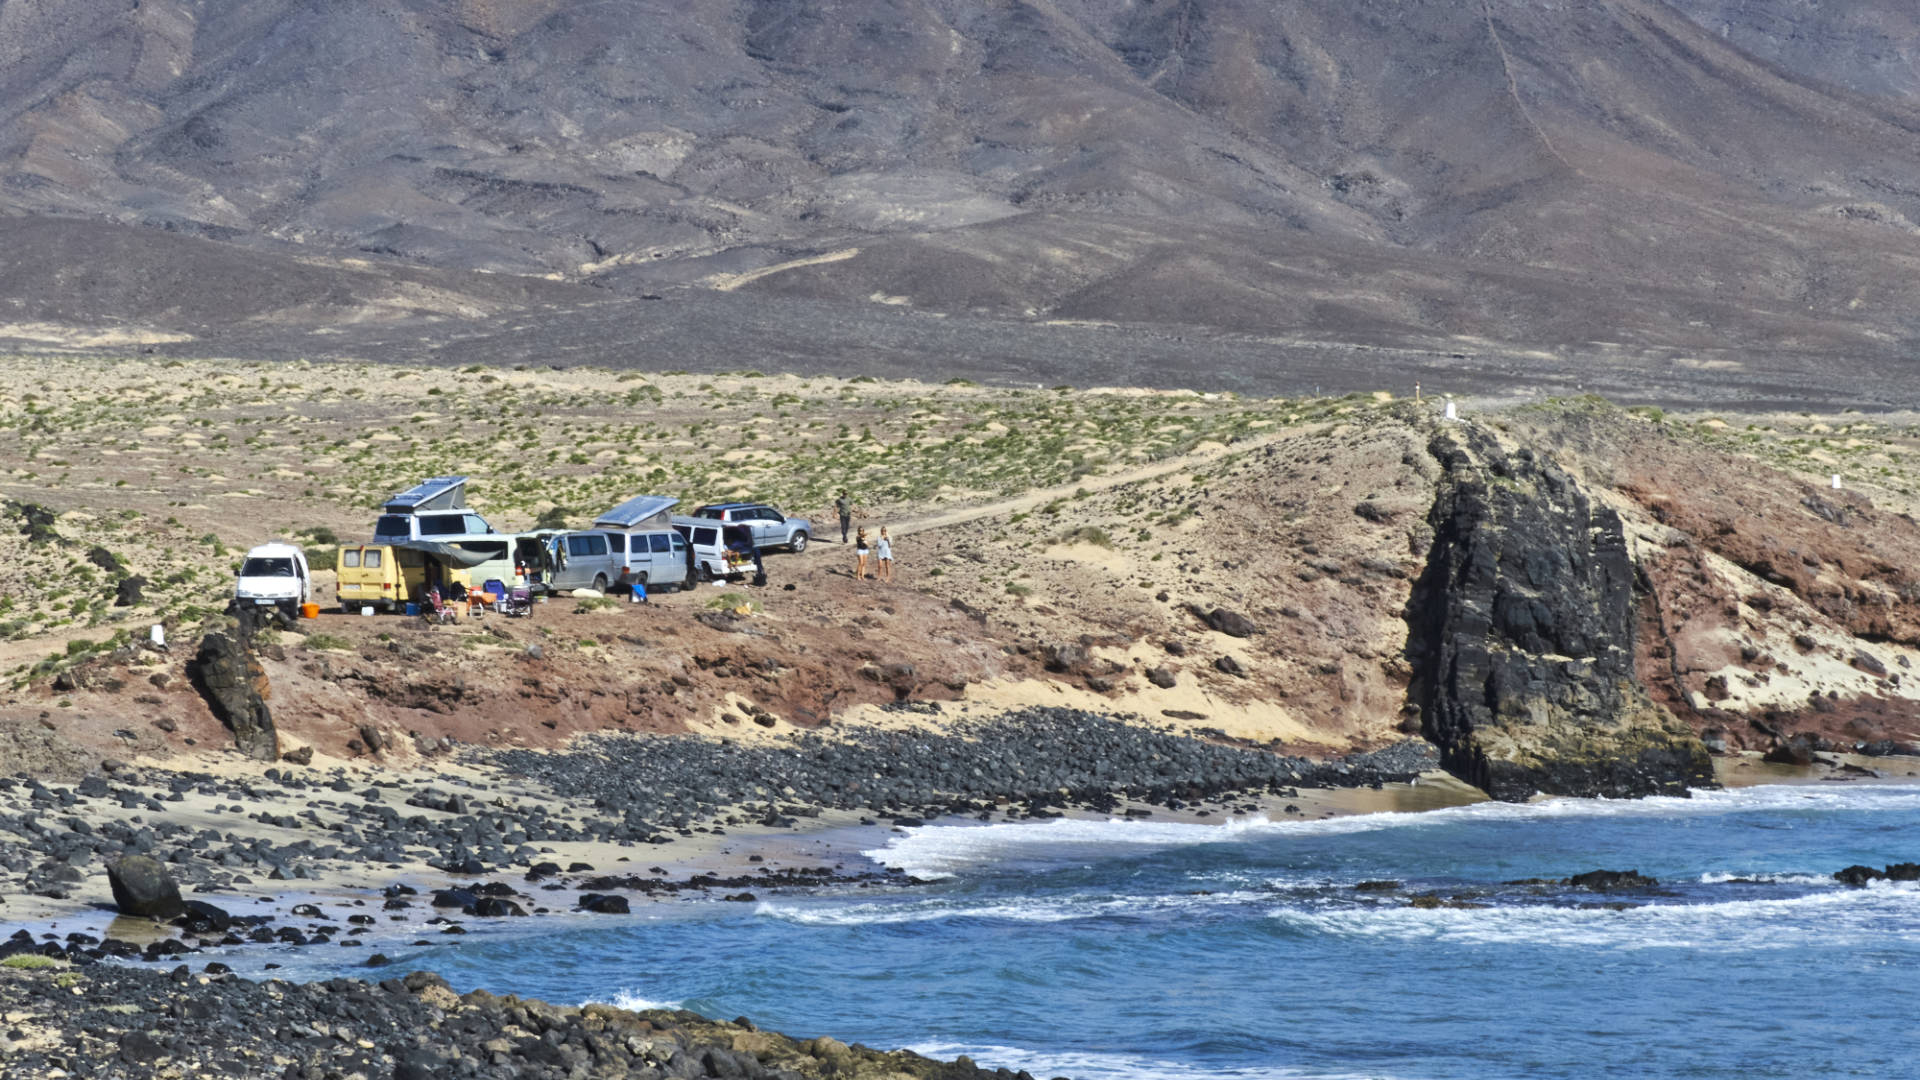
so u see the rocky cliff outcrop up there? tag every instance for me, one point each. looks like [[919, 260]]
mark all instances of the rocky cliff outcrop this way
[[1521, 636], [235, 685]]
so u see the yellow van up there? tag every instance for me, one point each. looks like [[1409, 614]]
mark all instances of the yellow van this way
[[380, 576]]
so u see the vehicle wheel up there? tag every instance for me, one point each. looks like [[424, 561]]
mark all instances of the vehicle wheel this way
[[798, 544], [702, 573], [345, 609], [600, 583]]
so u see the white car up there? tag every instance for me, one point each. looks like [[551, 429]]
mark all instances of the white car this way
[[274, 575]]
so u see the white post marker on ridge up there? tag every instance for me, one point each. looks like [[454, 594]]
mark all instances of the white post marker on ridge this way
[[1452, 414], [1836, 481]]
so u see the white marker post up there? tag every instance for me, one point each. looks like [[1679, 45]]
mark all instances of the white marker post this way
[[158, 635], [1452, 413], [1836, 481]]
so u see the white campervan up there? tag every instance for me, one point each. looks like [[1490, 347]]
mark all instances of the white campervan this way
[[633, 543], [434, 509], [274, 575]]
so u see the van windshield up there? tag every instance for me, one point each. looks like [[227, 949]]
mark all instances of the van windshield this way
[[393, 525], [267, 568]]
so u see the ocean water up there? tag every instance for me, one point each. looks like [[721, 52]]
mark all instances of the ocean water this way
[[1105, 950]]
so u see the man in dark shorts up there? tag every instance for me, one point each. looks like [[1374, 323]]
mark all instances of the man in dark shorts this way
[[844, 507]]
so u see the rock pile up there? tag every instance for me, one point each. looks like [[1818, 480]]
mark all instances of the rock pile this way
[[112, 1022], [1038, 760]]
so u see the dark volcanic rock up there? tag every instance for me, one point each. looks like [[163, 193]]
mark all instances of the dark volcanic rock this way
[[1521, 637], [1607, 880], [1797, 749], [1857, 875], [1228, 622], [235, 685], [605, 905], [141, 886], [129, 591], [36, 521]]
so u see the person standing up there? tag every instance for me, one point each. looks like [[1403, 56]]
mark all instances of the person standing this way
[[860, 552], [883, 556], [844, 507]]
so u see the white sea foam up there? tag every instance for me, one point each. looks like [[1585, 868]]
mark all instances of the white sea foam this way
[[1860, 917], [942, 850], [1036, 909], [633, 1002], [1721, 877], [1092, 1065]]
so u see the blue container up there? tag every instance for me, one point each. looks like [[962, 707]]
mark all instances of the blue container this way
[[413, 609]]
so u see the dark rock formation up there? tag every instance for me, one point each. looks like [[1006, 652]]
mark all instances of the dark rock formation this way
[[142, 886], [1225, 621], [129, 591], [36, 521], [235, 686], [1858, 875], [1608, 880], [1521, 637]]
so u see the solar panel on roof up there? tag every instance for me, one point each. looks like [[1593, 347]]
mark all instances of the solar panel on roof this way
[[439, 493], [635, 510]]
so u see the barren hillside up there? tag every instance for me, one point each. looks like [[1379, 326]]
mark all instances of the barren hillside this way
[[1313, 574]]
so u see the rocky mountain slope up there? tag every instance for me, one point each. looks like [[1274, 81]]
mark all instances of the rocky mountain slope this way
[[1635, 188]]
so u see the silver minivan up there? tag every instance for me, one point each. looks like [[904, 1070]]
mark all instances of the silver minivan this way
[[603, 558]]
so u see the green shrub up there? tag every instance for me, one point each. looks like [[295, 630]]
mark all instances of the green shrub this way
[[31, 962], [333, 642], [1088, 534], [595, 603]]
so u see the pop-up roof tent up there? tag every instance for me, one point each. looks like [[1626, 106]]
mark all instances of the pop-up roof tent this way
[[439, 493], [639, 512]]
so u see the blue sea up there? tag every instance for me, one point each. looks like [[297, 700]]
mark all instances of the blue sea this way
[[1102, 950]]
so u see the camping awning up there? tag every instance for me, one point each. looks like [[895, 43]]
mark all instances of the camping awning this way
[[446, 553]]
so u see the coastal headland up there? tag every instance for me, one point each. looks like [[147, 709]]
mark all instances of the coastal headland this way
[[1146, 605]]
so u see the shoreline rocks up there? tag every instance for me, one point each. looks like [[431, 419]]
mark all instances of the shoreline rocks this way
[[1028, 762], [112, 1022]]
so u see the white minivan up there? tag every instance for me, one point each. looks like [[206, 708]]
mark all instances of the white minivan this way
[[274, 575], [603, 558]]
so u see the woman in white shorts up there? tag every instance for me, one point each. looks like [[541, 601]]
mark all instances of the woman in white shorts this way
[[884, 553]]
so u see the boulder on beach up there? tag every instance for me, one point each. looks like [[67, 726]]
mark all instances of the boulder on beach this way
[[142, 886]]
